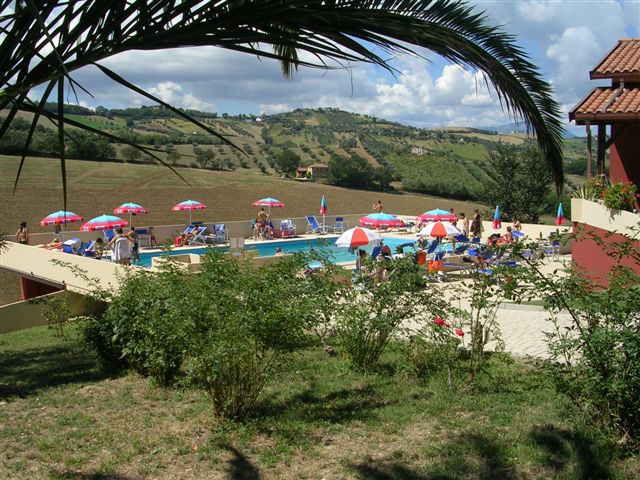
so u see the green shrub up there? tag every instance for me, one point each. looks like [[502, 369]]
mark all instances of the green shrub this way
[[597, 358], [148, 324], [369, 316], [621, 196]]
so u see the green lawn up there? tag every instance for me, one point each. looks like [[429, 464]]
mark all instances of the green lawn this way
[[61, 417]]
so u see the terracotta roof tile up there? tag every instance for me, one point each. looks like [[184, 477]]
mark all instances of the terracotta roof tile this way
[[623, 59], [599, 103]]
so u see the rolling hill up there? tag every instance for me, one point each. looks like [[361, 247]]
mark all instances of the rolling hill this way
[[446, 161]]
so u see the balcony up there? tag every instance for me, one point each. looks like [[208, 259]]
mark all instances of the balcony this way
[[599, 216]]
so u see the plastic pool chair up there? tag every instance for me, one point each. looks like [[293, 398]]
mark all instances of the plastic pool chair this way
[[108, 235], [375, 252], [339, 226], [313, 225], [553, 250], [287, 229], [220, 233]]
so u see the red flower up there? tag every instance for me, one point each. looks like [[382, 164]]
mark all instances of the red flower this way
[[439, 321], [459, 332], [447, 324]]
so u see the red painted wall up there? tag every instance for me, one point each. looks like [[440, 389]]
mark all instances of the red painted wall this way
[[30, 288], [591, 258], [625, 155]]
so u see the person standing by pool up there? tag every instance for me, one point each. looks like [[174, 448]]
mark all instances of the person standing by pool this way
[[476, 224], [153, 242], [261, 222], [377, 207], [135, 243], [121, 247], [465, 223], [22, 235], [454, 217]]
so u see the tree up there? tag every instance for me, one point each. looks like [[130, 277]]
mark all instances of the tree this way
[[353, 172], [45, 42], [287, 161], [204, 156], [131, 153], [520, 182], [172, 154]]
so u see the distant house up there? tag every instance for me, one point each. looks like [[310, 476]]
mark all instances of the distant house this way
[[317, 170], [617, 106], [417, 150]]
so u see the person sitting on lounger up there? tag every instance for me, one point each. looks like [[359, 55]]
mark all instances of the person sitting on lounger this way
[[56, 244]]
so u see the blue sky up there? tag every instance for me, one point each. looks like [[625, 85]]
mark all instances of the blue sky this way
[[564, 38]]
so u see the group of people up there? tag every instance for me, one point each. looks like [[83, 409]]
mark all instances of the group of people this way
[[262, 228], [124, 246]]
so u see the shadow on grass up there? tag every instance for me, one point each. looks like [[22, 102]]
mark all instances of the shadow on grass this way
[[28, 371], [475, 455], [239, 467], [466, 456], [562, 446], [92, 476], [339, 406]]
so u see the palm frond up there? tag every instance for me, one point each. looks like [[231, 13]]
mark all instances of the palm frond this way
[[85, 32]]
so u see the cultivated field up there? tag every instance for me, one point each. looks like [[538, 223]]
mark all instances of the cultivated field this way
[[95, 188]]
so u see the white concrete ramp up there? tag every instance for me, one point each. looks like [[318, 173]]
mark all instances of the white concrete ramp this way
[[70, 272]]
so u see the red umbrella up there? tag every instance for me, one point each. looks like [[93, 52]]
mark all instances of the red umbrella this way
[[61, 218], [436, 215], [131, 209], [379, 220], [268, 202], [189, 205], [357, 237], [103, 222], [439, 229]]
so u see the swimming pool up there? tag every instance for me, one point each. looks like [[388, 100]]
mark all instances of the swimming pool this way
[[324, 244]]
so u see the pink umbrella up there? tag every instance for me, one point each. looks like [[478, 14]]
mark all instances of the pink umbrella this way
[[103, 222], [131, 209], [189, 205], [436, 215], [268, 202], [61, 218], [381, 220]]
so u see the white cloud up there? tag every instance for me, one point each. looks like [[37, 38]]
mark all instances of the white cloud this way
[[564, 38], [173, 94]]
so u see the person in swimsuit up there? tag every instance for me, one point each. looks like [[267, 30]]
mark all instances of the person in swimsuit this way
[[377, 207], [121, 248], [22, 235]]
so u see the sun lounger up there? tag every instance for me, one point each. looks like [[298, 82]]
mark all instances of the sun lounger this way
[[71, 246], [313, 225]]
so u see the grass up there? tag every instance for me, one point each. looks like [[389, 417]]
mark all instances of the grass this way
[[61, 417]]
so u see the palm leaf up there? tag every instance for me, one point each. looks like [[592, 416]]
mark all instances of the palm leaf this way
[[331, 31]]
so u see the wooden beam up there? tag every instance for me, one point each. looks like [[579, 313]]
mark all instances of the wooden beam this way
[[602, 137], [589, 155]]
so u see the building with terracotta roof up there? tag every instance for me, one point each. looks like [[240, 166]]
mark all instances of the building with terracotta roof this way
[[616, 107]]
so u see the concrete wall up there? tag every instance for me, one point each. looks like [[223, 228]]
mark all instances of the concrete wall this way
[[28, 313]]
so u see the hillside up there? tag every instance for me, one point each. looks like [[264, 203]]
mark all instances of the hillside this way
[[448, 161]]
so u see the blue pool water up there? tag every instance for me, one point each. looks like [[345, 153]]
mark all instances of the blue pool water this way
[[326, 245]]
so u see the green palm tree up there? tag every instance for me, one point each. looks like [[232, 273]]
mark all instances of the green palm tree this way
[[44, 42]]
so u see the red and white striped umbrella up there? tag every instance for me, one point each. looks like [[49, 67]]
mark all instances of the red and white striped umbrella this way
[[357, 237], [439, 229]]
